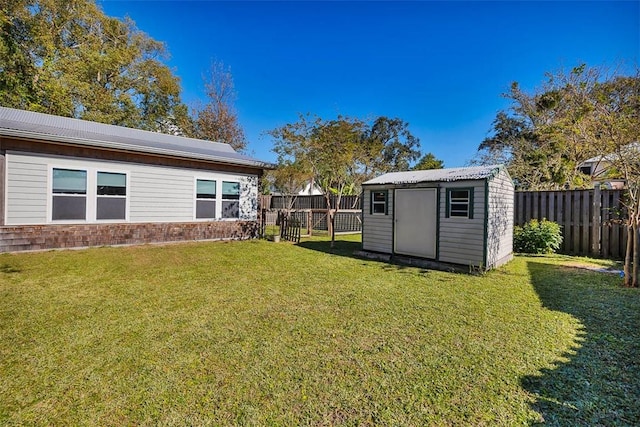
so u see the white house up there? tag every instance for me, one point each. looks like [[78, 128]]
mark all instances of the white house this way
[[66, 183], [458, 216], [598, 167]]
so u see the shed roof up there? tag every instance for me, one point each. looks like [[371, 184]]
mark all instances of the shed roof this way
[[46, 127], [436, 175]]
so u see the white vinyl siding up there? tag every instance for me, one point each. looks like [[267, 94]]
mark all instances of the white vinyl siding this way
[[377, 229], [155, 193], [160, 195], [500, 221], [461, 239], [26, 190]]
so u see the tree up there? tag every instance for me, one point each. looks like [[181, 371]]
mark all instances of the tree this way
[[66, 57], [542, 136], [391, 146], [342, 153], [217, 120], [613, 126], [584, 113], [428, 161], [288, 178]]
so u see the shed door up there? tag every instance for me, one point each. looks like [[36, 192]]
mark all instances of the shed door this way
[[415, 223]]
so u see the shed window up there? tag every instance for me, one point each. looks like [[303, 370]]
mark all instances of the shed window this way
[[111, 202], [205, 199], [69, 199], [230, 199], [379, 202], [460, 203]]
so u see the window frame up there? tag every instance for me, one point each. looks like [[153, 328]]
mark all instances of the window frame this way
[[455, 200], [196, 199], [223, 199], [373, 202], [107, 196], [52, 194]]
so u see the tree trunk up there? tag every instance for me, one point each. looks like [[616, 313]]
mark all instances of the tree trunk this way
[[636, 255], [628, 255], [332, 217]]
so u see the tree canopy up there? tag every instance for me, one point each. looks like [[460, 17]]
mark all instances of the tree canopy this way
[[66, 57], [428, 161], [546, 135]]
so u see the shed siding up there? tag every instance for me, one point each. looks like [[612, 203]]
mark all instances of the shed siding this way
[[155, 193], [500, 221], [377, 230], [461, 240]]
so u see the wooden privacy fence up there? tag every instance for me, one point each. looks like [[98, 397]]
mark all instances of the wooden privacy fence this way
[[590, 219]]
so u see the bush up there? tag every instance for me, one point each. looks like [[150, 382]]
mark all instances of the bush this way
[[537, 237]]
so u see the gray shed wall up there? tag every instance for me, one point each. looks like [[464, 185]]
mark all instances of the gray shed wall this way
[[377, 230], [500, 221], [461, 240]]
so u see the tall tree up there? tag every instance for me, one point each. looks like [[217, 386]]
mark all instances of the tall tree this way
[[66, 57], [391, 146], [428, 161], [542, 136], [217, 120], [577, 115]]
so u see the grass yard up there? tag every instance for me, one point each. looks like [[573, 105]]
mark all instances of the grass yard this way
[[258, 333]]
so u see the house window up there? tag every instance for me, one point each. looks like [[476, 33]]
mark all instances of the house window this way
[[460, 203], [230, 199], [205, 199], [379, 202], [69, 188], [111, 191], [585, 170]]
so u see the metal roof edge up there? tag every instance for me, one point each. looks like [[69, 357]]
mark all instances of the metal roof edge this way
[[126, 147]]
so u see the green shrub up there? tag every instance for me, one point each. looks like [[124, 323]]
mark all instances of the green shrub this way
[[537, 237]]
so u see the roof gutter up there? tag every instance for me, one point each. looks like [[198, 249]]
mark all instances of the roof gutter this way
[[125, 147]]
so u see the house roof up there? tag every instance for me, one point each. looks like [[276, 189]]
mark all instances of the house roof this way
[[436, 175], [630, 149], [46, 127]]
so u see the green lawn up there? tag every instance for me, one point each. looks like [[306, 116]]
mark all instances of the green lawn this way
[[259, 333]]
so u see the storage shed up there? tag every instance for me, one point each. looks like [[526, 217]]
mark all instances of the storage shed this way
[[458, 216]]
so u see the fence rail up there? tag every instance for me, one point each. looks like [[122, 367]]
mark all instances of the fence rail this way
[[308, 202]]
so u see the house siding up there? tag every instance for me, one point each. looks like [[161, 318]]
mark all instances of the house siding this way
[[155, 193], [25, 190], [500, 219], [461, 240], [377, 230]]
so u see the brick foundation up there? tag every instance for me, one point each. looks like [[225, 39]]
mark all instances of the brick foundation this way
[[37, 237]]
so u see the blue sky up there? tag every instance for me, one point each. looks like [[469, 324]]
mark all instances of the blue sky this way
[[440, 66]]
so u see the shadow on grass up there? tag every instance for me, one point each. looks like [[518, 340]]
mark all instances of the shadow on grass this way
[[347, 248], [600, 384], [341, 248]]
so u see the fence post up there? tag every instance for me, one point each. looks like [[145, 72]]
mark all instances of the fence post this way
[[596, 209]]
